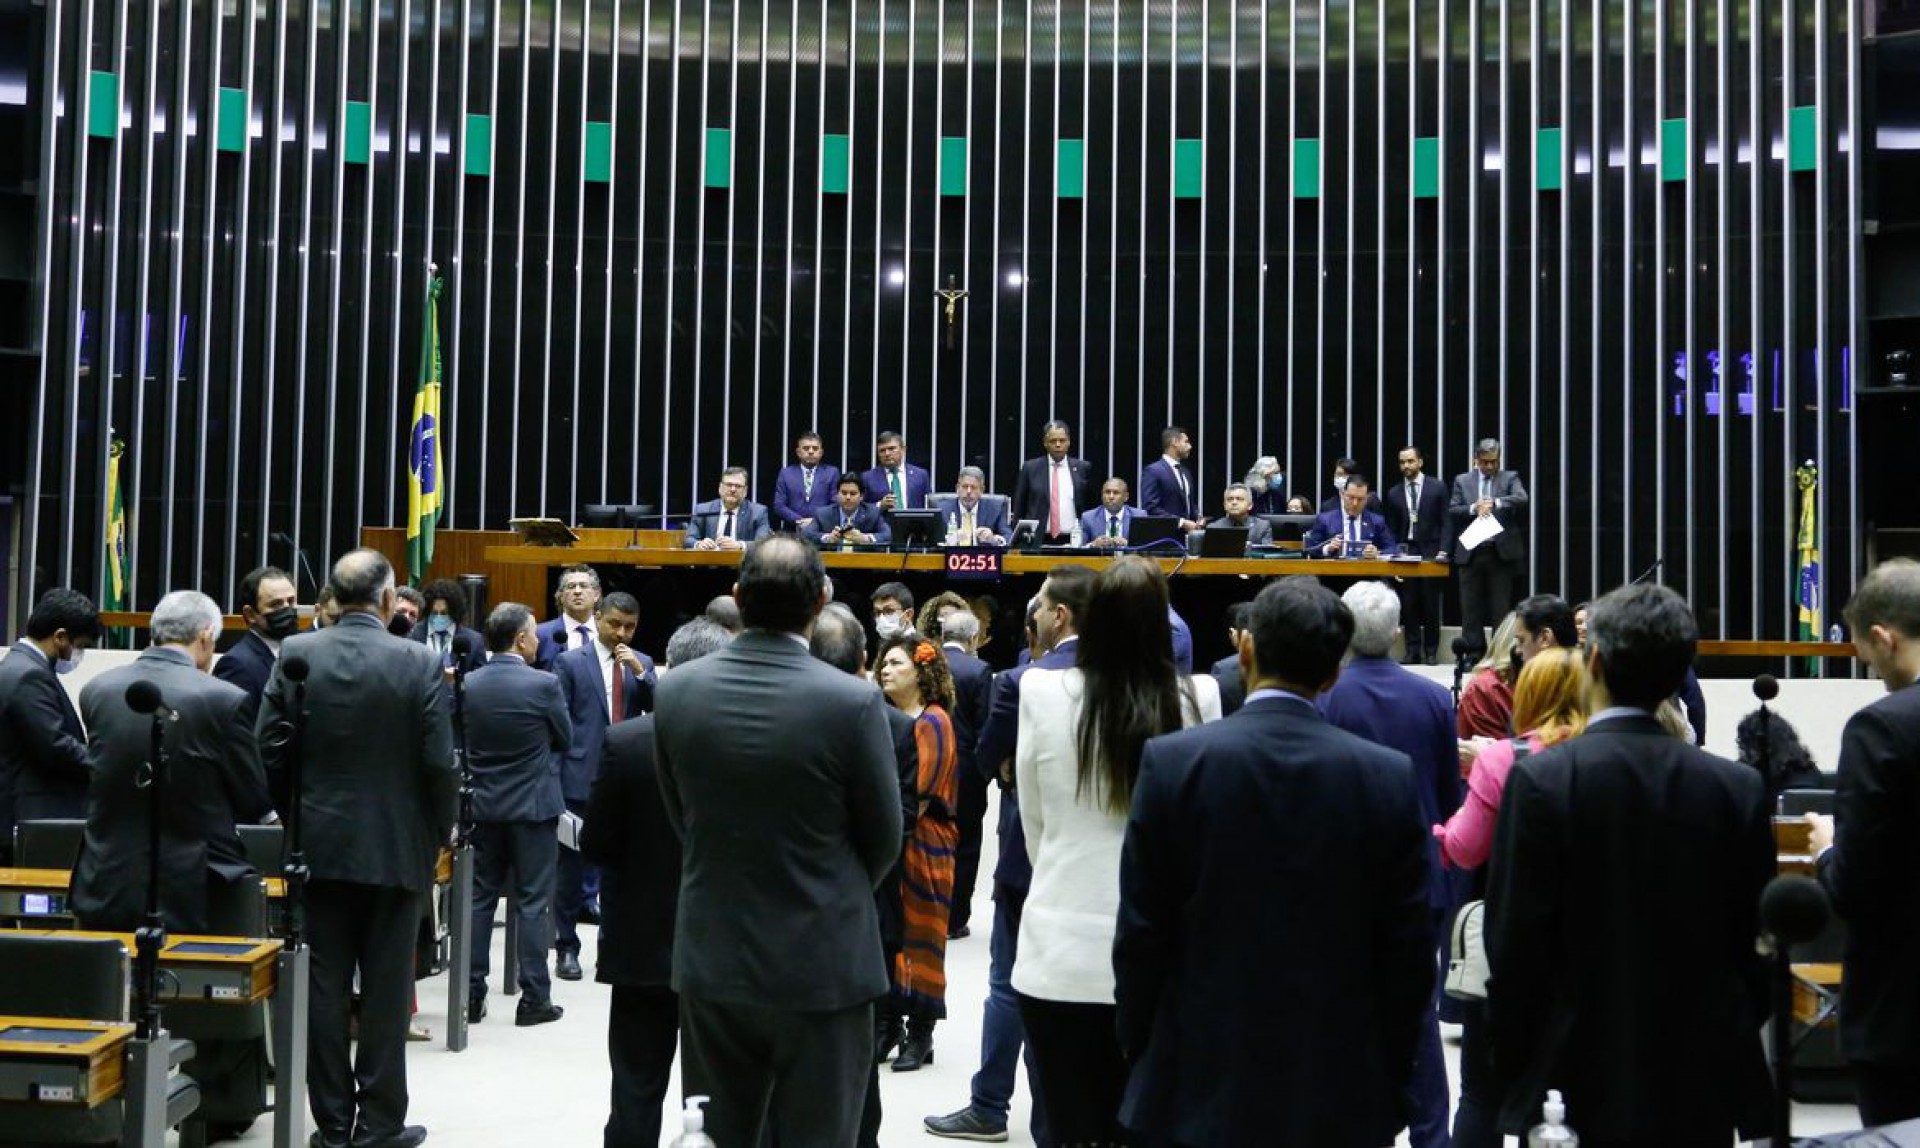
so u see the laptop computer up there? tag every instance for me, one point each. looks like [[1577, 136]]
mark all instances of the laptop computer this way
[[1155, 532], [1223, 542]]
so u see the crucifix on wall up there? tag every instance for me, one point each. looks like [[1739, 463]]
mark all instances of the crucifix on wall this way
[[951, 295]]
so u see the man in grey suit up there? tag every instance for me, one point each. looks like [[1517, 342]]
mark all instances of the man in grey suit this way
[[1490, 573], [779, 776], [378, 793], [517, 728]]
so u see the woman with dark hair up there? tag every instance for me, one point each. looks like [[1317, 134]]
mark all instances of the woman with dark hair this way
[[1081, 733], [1770, 744], [914, 676]]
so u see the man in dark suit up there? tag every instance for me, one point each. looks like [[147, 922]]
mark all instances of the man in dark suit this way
[[848, 521], [445, 622], [893, 483], [729, 522], [805, 487], [1416, 512], [267, 600], [1208, 957], [517, 729], [379, 794], [1166, 485], [1623, 906], [1226, 671], [959, 629], [782, 853], [972, 518], [1869, 851], [1344, 469], [1055, 614], [1490, 573], [214, 782], [1054, 489], [577, 595], [628, 836], [1400, 710], [1353, 531], [603, 683], [1105, 527], [43, 747]]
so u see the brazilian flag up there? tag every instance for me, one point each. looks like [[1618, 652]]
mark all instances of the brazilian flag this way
[[423, 449], [1807, 590], [115, 597]]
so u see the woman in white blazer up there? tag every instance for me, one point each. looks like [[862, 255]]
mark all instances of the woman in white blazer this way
[[1081, 732]]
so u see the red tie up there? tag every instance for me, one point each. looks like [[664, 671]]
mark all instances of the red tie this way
[[1053, 496], [619, 693]]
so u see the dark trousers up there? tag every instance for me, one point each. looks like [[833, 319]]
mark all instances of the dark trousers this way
[[1076, 1055], [368, 929], [966, 858], [1487, 585], [1002, 1035], [643, 1025], [1888, 1092], [576, 884], [800, 1075], [1476, 1122], [1420, 615], [1427, 1090], [529, 851]]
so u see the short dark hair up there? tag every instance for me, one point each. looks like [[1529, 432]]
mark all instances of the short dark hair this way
[[838, 639], [852, 480], [809, 436], [1070, 586], [887, 436], [504, 625], [64, 609], [359, 576], [895, 590], [1356, 478], [250, 586], [1644, 636], [1300, 631], [1416, 451], [448, 591], [620, 601], [1889, 596], [1347, 466], [1237, 615], [409, 594], [1168, 436], [1052, 425], [780, 584], [1544, 612]]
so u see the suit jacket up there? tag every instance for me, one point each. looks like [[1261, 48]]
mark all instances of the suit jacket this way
[[584, 687], [517, 729], [1373, 528], [248, 666], [1332, 503], [553, 639], [1622, 910], [1510, 507], [749, 524], [1259, 530], [1397, 708], [990, 513], [999, 735], [1093, 524], [213, 781], [780, 777], [867, 520], [972, 695], [790, 500], [1033, 493], [919, 485], [1233, 691], [628, 835], [1245, 836], [1869, 874], [379, 789], [476, 649], [1430, 536], [1159, 492], [43, 747]]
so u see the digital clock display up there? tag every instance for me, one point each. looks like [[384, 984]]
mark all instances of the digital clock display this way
[[973, 564]]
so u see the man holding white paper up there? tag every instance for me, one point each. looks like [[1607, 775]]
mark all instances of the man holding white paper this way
[[1488, 513]]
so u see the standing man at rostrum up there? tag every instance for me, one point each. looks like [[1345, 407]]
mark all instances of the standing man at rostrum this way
[[1056, 488], [1490, 573]]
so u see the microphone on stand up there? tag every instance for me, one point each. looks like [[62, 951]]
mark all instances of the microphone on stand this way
[[294, 668], [144, 697], [462, 650], [299, 554], [1462, 662], [1766, 687], [1793, 911]]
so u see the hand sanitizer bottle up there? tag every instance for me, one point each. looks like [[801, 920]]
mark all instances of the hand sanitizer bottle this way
[[693, 1122], [953, 530], [1552, 1131]]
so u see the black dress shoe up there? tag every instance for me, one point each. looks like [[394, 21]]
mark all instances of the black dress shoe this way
[[917, 1049], [566, 966], [476, 1009], [320, 1139], [407, 1137], [958, 932], [546, 1013], [589, 913]]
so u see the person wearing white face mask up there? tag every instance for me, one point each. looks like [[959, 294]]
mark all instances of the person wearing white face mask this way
[[43, 748], [1342, 469], [892, 610]]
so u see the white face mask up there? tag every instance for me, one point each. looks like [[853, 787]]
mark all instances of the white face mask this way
[[1339, 482], [888, 625], [68, 665]]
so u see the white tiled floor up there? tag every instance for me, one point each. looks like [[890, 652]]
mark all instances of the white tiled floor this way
[[548, 1085]]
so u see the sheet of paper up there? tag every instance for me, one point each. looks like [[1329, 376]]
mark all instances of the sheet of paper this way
[[1480, 530], [569, 830]]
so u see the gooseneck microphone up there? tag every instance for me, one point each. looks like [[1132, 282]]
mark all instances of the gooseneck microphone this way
[[144, 697], [1462, 662], [1793, 911], [1766, 687], [294, 668]]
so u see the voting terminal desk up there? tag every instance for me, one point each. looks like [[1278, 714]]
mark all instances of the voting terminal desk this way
[[69, 1063]]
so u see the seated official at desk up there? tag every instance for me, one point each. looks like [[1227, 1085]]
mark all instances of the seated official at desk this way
[[1353, 531], [972, 520], [1105, 526], [1237, 501], [851, 521], [729, 522]]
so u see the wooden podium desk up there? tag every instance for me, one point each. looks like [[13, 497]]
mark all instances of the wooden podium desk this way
[[38, 897], [66, 1063], [209, 969]]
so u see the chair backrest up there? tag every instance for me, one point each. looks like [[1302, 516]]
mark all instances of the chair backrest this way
[[49, 844], [82, 978], [266, 847], [1794, 802]]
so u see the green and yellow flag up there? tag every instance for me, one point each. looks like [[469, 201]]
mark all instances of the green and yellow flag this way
[[115, 597], [1807, 594], [423, 450]]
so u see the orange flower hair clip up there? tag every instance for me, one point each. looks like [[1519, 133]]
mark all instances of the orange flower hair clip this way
[[924, 653]]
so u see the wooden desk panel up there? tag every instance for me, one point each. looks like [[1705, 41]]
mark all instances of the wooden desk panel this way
[[95, 1058]]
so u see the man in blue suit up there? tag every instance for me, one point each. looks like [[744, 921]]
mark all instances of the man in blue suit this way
[[605, 682], [1105, 526], [1399, 709], [805, 486], [1208, 956], [893, 483], [971, 519], [267, 601], [1353, 531], [848, 521], [1166, 485], [578, 594], [730, 521]]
